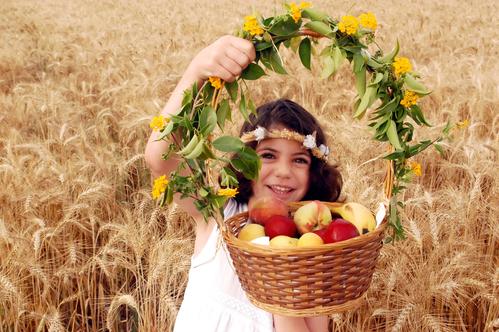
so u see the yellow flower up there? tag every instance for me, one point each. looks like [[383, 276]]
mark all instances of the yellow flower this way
[[463, 124], [252, 26], [159, 186], [348, 24], [158, 123], [216, 82], [295, 10], [229, 192], [401, 65], [415, 168], [368, 20], [410, 98]]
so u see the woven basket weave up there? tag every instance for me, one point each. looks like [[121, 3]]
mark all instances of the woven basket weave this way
[[303, 282]]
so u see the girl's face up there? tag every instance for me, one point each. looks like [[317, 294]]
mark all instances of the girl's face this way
[[285, 170]]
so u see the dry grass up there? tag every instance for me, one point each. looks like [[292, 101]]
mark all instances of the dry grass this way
[[82, 246]]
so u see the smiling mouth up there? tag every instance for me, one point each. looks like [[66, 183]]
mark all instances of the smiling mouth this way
[[281, 190]]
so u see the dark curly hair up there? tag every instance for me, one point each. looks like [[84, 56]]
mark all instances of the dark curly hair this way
[[325, 179]]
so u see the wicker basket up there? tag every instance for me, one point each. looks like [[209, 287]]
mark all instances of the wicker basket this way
[[304, 282]]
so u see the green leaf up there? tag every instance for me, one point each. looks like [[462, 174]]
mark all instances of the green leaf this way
[[284, 27], [313, 14], [270, 58], [243, 108], [305, 51], [166, 131], [377, 79], [251, 106], [415, 86], [228, 144], [232, 89], [247, 162], [439, 149], [358, 63], [338, 57], [223, 113], [252, 72], [319, 27], [360, 82], [366, 101], [207, 120], [393, 135], [328, 67], [260, 46], [169, 195], [390, 56], [196, 152]]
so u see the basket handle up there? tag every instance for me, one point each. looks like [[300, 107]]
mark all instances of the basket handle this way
[[389, 173]]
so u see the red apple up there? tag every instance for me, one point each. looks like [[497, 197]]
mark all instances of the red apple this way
[[321, 232], [340, 230], [280, 225], [261, 209]]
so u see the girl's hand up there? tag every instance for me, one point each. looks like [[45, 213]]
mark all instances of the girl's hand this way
[[226, 58]]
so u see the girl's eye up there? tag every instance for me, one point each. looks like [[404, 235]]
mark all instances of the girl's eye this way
[[267, 155], [301, 161]]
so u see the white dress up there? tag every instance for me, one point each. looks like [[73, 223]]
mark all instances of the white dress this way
[[214, 300]]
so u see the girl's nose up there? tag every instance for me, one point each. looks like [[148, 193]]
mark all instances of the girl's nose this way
[[283, 169]]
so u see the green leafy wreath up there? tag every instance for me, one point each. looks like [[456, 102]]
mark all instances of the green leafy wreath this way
[[386, 77]]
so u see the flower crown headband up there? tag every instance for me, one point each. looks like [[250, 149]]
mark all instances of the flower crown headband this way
[[308, 141]]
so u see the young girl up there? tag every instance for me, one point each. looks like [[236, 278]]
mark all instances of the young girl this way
[[291, 171]]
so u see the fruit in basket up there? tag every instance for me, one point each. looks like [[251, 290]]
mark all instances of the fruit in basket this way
[[283, 242], [280, 225], [261, 209], [309, 240], [250, 232], [340, 230], [312, 216], [358, 215], [321, 232]]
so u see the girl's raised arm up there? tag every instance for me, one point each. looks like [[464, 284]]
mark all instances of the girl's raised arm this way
[[225, 58]]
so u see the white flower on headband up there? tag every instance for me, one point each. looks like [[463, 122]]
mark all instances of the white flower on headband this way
[[309, 142], [259, 133], [324, 150]]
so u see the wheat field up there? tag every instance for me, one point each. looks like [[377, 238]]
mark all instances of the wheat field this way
[[84, 248]]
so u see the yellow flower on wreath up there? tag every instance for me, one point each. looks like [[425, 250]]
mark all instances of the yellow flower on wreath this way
[[228, 192], [368, 20], [295, 10], [159, 186], [415, 168], [158, 123], [410, 98], [401, 65], [348, 24], [252, 26], [216, 82]]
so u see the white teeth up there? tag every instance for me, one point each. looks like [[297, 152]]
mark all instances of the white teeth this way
[[281, 189]]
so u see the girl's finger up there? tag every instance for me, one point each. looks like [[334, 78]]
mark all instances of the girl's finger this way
[[238, 56], [223, 73], [232, 66], [244, 46]]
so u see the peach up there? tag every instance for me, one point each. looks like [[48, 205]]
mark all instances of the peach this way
[[261, 209], [312, 216]]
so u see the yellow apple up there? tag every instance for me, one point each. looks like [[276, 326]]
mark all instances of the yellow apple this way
[[309, 240], [251, 231]]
